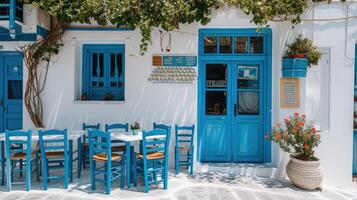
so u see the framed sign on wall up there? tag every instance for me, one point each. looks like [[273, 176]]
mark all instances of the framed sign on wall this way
[[289, 92]]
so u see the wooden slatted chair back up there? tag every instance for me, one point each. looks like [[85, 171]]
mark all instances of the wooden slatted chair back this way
[[184, 136]]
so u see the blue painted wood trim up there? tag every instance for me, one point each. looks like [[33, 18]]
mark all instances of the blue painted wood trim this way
[[18, 37], [267, 49], [42, 31], [12, 15], [96, 29], [85, 70]]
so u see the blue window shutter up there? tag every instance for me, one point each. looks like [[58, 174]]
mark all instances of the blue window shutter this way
[[103, 71]]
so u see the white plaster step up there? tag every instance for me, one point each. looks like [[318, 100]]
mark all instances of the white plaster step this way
[[246, 170]]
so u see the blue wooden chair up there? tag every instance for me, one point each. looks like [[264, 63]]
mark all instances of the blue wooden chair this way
[[100, 151], [184, 144], [154, 158], [22, 154], [85, 146], [54, 154], [119, 145]]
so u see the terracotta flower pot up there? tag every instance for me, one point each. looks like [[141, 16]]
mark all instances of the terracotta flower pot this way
[[304, 174], [299, 55]]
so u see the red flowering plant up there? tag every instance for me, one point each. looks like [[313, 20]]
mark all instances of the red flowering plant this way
[[297, 137]]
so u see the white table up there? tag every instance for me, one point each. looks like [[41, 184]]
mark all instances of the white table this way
[[71, 136], [128, 137]]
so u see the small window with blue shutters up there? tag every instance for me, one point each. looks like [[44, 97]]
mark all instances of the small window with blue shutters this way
[[103, 72]]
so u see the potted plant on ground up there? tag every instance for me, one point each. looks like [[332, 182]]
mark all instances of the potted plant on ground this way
[[299, 55], [299, 138], [135, 128]]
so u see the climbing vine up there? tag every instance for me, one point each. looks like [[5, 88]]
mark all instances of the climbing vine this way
[[136, 14]]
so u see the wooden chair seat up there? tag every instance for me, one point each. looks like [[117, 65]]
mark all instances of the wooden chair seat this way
[[118, 148], [103, 157], [54, 154], [184, 148], [20, 156], [152, 156]]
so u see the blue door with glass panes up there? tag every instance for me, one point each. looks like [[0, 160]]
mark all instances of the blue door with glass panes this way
[[11, 100], [234, 99]]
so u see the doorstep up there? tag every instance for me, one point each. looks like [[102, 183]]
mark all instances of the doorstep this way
[[240, 169]]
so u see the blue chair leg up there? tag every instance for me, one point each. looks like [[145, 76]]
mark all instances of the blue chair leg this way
[[135, 171], [37, 168], [154, 166], [8, 174], [146, 181], [28, 174], [109, 176], [66, 172], [45, 174], [177, 159], [21, 167], [92, 173], [191, 161], [165, 164], [3, 172]]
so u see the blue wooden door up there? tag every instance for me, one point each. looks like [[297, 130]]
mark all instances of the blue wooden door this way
[[11, 91], [247, 91], [234, 95], [217, 116]]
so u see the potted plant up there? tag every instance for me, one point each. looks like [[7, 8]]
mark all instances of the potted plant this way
[[299, 55], [135, 128], [84, 97], [299, 138], [108, 97]]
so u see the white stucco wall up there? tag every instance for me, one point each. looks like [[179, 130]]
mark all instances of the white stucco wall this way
[[147, 102]]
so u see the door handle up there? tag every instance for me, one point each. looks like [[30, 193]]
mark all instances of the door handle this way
[[1, 103], [235, 110]]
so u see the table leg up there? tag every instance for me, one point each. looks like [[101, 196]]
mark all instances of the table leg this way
[[2, 158], [71, 160], [79, 156], [127, 162]]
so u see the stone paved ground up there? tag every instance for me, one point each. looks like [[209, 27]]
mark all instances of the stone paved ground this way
[[204, 186]]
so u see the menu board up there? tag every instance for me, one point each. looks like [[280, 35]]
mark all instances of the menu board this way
[[174, 61], [289, 93]]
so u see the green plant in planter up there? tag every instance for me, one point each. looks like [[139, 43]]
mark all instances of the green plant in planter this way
[[108, 97], [135, 128], [303, 47]]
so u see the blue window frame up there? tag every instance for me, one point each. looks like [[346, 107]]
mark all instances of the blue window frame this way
[[9, 7], [103, 71]]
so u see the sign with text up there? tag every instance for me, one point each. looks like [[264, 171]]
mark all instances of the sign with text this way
[[289, 93], [174, 61]]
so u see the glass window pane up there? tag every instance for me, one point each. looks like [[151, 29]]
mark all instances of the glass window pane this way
[[216, 102], [210, 44], [216, 75], [115, 70], [14, 89], [240, 44], [225, 44], [256, 45], [248, 103], [248, 76]]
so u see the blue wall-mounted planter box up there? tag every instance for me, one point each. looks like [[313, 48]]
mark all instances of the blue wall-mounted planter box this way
[[294, 67]]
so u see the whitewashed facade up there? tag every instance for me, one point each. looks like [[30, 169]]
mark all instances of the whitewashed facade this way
[[326, 94]]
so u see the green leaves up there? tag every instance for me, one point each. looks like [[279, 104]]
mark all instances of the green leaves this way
[[167, 14]]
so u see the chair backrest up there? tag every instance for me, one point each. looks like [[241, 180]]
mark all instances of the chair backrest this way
[[156, 140], [21, 139], [89, 126], [53, 140], [117, 126], [99, 142], [184, 135]]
